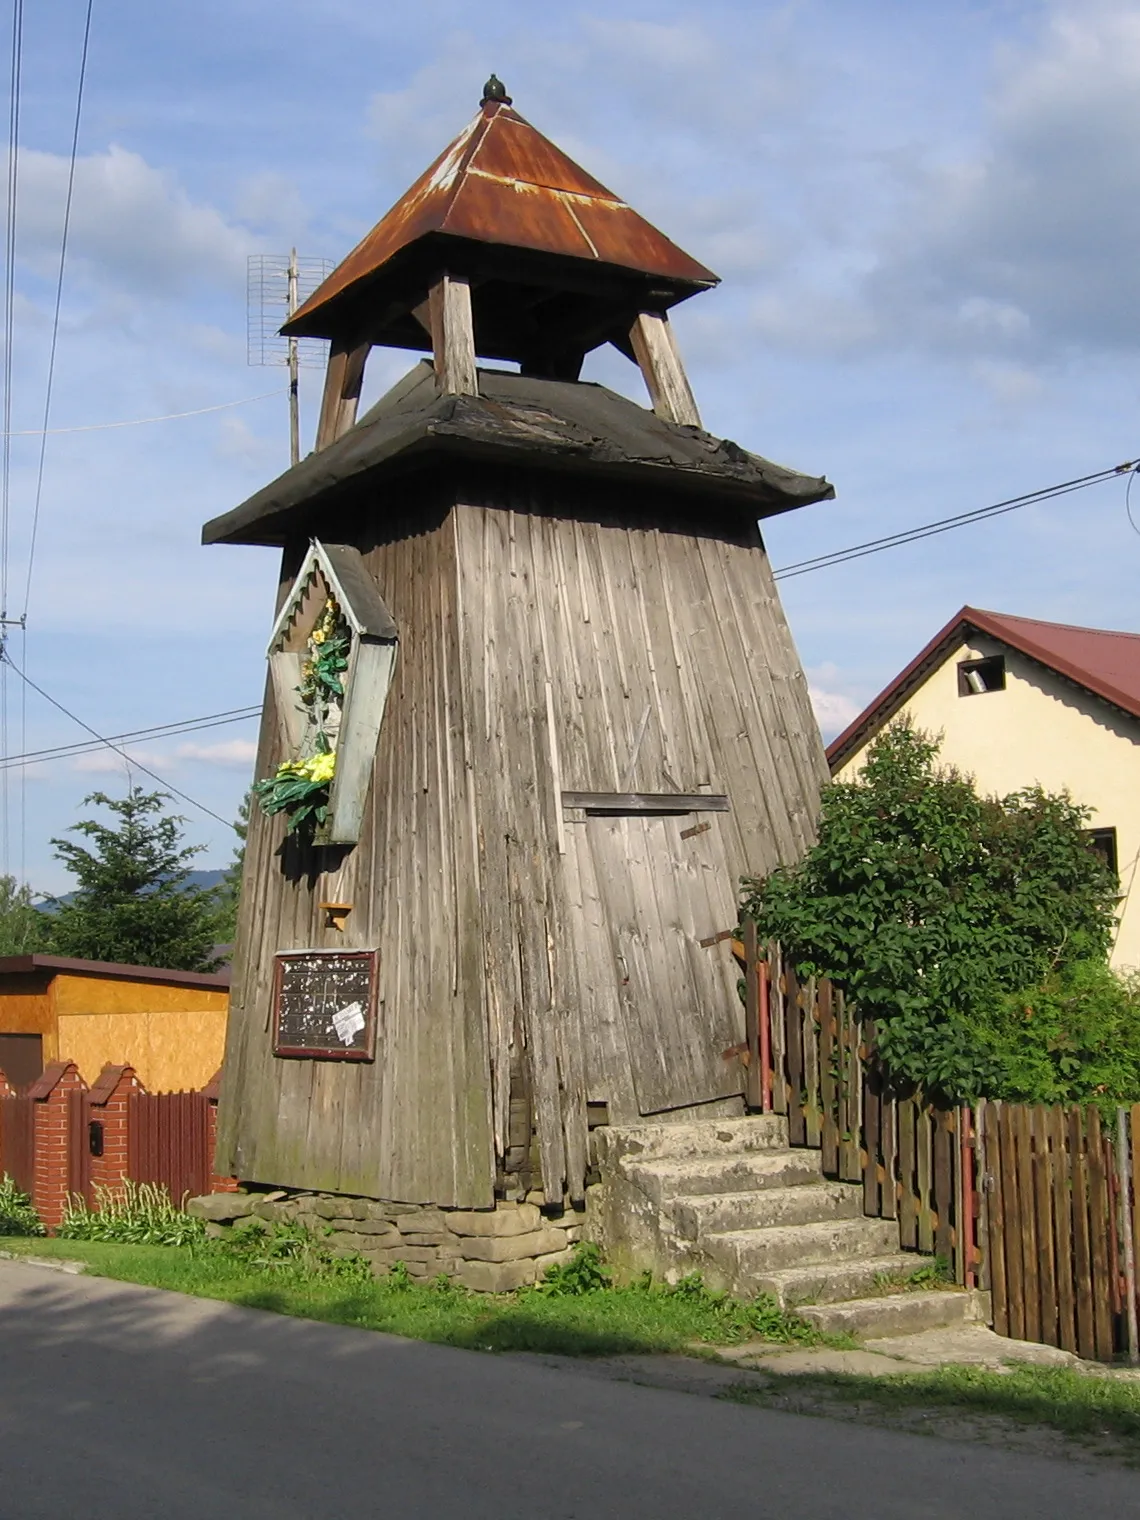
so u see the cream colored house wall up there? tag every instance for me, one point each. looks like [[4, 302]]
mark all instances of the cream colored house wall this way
[[1041, 729]]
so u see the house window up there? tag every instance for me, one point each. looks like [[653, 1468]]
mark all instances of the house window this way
[[976, 677], [1103, 841]]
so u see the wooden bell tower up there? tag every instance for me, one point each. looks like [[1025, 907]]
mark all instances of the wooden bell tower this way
[[570, 715]]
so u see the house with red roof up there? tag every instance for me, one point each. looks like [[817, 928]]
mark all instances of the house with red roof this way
[[1018, 702]]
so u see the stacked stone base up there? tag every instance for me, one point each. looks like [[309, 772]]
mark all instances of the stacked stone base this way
[[489, 1250]]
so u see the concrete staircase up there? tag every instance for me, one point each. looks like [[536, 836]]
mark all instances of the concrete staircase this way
[[730, 1199]]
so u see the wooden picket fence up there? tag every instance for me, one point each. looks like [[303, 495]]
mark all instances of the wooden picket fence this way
[[1039, 1205]]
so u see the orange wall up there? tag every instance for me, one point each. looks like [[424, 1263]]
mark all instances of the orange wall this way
[[26, 1008], [173, 1036]]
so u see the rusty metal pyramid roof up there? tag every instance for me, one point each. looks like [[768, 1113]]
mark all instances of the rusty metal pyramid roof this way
[[502, 183]]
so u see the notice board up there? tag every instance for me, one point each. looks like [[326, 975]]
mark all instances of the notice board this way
[[324, 1004]]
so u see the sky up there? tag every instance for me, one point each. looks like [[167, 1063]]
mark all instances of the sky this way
[[924, 217]]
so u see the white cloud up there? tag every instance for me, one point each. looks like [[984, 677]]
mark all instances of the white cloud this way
[[131, 224], [834, 708], [231, 752]]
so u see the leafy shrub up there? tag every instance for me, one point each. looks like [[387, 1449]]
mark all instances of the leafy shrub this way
[[292, 1249], [17, 1214], [737, 1318], [583, 1273], [132, 1213], [933, 905], [1073, 1039]]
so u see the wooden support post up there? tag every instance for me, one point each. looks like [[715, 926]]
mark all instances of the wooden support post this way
[[343, 380], [453, 337], [754, 1075], [660, 363]]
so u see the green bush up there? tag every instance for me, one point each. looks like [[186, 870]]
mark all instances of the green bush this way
[[132, 1213], [933, 906], [17, 1214], [1073, 1039], [583, 1273], [292, 1249]]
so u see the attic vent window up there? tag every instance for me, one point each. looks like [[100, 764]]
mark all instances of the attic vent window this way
[[976, 677]]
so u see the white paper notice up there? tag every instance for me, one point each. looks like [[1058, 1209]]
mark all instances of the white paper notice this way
[[348, 1023]]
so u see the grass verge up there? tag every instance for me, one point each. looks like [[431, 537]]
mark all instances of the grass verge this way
[[604, 1321], [1086, 1408]]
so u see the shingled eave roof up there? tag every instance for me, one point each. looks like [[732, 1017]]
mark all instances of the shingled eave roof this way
[[548, 424], [502, 182], [1021, 634]]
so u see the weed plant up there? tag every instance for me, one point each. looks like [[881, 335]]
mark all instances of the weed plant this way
[[17, 1213], [131, 1213]]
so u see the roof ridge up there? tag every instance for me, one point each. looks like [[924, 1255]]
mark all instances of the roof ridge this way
[[1017, 617]]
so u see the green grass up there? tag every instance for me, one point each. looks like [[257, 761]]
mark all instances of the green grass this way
[[601, 1322], [1078, 1404]]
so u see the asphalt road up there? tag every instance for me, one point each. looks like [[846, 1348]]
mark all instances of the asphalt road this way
[[124, 1403]]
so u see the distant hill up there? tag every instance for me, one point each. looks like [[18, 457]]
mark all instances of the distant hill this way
[[201, 879]]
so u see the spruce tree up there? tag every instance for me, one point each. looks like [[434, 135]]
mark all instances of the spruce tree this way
[[134, 902]]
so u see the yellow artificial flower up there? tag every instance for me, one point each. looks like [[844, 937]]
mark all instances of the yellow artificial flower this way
[[321, 767], [319, 635]]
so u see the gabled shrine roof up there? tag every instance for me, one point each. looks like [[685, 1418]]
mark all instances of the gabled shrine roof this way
[[565, 426], [502, 182]]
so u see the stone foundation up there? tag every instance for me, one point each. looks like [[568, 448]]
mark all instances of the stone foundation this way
[[490, 1250]]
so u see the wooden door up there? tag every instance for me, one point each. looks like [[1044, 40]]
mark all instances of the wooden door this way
[[664, 886]]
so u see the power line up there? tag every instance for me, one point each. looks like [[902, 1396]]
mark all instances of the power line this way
[[135, 736], [193, 801], [946, 524], [58, 302], [102, 427]]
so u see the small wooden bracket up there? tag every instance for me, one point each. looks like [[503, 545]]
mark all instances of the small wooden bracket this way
[[697, 828], [335, 914], [718, 939]]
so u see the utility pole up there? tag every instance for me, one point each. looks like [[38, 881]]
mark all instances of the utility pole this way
[[275, 281], [294, 369]]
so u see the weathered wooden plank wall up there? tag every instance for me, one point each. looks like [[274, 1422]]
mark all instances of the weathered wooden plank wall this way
[[549, 641], [416, 1123]]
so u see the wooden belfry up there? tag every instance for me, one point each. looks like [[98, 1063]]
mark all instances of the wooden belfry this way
[[572, 715]]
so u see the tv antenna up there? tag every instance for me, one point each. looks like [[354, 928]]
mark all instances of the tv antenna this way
[[276, 284]]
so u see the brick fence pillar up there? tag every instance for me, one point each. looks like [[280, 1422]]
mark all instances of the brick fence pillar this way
[[109, 1100], [211, 1090], [54, 1118]]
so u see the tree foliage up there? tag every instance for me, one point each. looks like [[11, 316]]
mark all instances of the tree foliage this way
[[934, 905], [24, 929], [134, 902], [229, 891]]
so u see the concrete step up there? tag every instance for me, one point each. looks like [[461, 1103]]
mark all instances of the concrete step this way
[[766, 1208], [751, 1253], [701, 1176], [834, 1282], [691, 1139], [898, 1313]]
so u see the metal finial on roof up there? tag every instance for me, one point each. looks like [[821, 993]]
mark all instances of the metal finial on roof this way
[[495, 91]]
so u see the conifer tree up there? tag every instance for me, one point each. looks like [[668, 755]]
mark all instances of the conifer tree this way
[[135, 903]]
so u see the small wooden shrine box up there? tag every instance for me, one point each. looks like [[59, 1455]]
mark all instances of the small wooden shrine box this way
[[570, 717]]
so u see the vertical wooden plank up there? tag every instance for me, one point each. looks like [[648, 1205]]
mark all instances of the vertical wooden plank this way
[[871, 1137], [990, 1136], [1043, 1193], [1014, 1223], [942, 1124], [797, 1129], [888, 1150], [811, 1010], [1100, 1226], [1028, 1221], [908, 1200], [1134, 1136], [754, 1076], [1082, 1245], [850, 1165], [655, 349], [924, 1174], [777, 1027], [1061, 1171], [828, 1087]]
